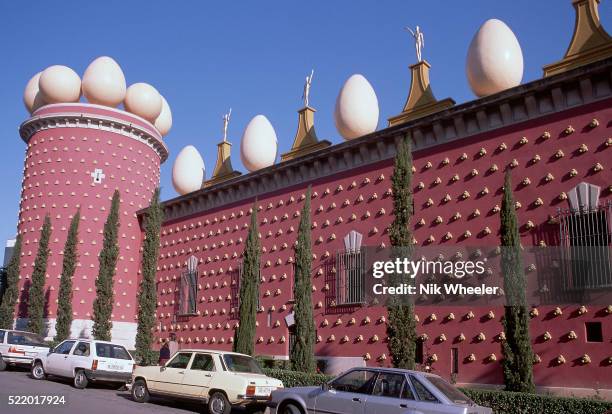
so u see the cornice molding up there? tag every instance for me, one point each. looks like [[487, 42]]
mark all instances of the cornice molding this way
[[523, 103], [85, 120]]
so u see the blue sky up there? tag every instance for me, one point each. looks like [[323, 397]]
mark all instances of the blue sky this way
[[207, 56]]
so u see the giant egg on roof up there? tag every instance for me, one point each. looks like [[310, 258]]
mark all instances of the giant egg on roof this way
[[59, 84], [143, 100], [356, 112], [163, 123], [104, 82], [32, 98], [494, 59], [188, 171], [259, 145]]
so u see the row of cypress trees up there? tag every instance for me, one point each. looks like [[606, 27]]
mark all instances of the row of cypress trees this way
[[517, 352], [302, 352], [103, 304], [401, 325]]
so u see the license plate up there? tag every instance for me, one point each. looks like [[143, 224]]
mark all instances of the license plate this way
[[265, 390], [115, 367]]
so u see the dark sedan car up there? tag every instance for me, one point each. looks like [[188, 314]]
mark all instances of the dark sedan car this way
[[376, 391]]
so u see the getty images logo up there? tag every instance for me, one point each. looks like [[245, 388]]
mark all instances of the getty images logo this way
[[412, 268]]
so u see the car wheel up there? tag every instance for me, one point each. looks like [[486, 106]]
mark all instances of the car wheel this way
[[291, 409], [140, 393], [2, 364], [219, 404], [80, 379], [38, 372]]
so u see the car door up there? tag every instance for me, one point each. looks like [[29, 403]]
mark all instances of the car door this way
[[391, 394], [199, 375], [57, 361], [80, 356], [170, 378], [426, 402], [347, 394]]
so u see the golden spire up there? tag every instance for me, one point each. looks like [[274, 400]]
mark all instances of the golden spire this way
[[223, 168], [421, 100], [589, 43], [305, 140]]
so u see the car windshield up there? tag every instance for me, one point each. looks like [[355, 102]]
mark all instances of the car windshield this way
[[241, 363], [112, 351], [25, 338], [451, 392]]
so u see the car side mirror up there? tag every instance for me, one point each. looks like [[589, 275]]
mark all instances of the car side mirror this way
[[162, 368], [325, 386]]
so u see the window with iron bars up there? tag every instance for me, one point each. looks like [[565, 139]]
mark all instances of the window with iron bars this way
[[350, 277], [587, 236], [188, 290]]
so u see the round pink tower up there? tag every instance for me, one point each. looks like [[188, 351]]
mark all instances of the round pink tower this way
[[77, 155]]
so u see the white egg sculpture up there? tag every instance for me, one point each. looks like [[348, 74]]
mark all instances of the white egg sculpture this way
[[494, 59], [32, 98], [259, 145], [356, 112], [163, 123], [59, 84], [143, 100], [188, 170], [104, 82]]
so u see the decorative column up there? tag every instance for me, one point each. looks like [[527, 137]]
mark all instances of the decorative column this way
[[421, 100]]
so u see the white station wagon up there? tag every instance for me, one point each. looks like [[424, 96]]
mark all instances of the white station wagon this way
[[20, 348], [216, 378], [85, 360]]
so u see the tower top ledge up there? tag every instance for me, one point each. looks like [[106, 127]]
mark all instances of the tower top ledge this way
[[90, 116]]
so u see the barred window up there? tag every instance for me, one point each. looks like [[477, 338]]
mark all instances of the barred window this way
[[587, 235], [350, 272], [188, 289]]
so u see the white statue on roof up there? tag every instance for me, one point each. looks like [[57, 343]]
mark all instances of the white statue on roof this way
[[226, 119], [419, 41], [307, 84]]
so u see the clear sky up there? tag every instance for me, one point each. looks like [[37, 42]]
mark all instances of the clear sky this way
[[207, 56]]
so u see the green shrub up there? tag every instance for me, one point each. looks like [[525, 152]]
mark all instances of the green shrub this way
[[296, 378], [502, 402], [506, 402]]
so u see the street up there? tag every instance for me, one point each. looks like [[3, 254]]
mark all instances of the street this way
[[96, 399]]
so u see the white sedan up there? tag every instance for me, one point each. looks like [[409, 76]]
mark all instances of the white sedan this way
[[216, 378], [85, 360]]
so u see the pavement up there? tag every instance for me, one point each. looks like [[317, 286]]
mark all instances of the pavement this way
[[95, 399]]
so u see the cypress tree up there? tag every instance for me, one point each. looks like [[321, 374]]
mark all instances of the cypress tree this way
[[103, 304], [7, 308], [147, 297], [401, 325], [516, 349], [64, 297], [249, 290], [302, 353], [36, 296]]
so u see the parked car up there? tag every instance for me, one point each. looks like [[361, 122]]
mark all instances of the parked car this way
[[218, 379], [86, 360], [376, 391], [20, 347]]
